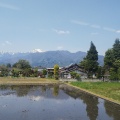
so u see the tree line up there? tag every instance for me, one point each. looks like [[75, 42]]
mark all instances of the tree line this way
[[22, 68], [111, 67]]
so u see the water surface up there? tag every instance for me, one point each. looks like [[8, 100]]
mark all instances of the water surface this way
[[53, 103]]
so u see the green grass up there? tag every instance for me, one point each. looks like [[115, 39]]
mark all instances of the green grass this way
[[110, 90]]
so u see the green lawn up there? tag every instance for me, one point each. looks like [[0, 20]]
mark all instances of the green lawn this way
[[107, 90]]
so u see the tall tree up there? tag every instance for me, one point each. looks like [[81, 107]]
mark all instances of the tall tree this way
[[92, 54], [108, 59], [56, 72], [116, 49], [90, 62], [112, 60]]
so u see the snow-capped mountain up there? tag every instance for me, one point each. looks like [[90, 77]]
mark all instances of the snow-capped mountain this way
[[45, 59], [37, 51]]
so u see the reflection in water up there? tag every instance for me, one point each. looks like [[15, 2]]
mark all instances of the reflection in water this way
[[3, 87], [53, 103], [91, 106], [56, 90], [43, 89], [21, 90], [113, 110], [90, 101]]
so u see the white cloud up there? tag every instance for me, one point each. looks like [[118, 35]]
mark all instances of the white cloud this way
[[61, 32], [95, 26], [109, 29], [2, 5], [80, 22], [117, 31], [60, 47]]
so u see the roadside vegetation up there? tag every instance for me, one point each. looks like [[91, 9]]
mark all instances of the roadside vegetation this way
[[109, 90]]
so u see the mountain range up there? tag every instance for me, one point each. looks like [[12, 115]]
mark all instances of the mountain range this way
[[46, 59]]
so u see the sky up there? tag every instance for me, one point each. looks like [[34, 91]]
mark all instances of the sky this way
[[58, 25]]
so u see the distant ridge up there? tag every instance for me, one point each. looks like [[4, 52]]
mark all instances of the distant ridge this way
[[46, 59]]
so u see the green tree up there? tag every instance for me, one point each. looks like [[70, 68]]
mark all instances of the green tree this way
[[92, 54], [113, 74], [119, 73], [16, 72], [78, 77], [112, 55], [22, 67], [26, 72], [4, 71], [35, 73], [112, 60], [116, 49], [75, 75], [56, 72], [84, 64], [116, 64], [100, 72], [44, 72], [22, 64], [108, 59], [90, 62], [50, 75], [8, 65]]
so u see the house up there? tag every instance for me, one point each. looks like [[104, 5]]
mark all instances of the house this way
[[65, 71], [40, 68], [50, 72]]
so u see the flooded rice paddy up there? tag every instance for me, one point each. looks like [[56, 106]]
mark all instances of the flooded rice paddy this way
[[53, 103]]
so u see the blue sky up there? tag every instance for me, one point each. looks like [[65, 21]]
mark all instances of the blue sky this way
[[58, 24]]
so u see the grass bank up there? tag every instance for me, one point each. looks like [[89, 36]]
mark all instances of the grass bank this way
[[106, 90], [26, 81]]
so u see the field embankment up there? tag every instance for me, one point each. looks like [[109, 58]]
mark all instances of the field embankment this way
[[26, 81], [106, 90]]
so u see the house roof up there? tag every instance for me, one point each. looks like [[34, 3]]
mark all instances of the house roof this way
[[71, 68]]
